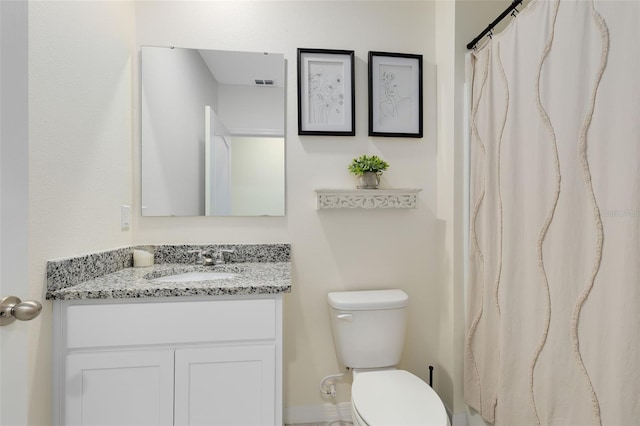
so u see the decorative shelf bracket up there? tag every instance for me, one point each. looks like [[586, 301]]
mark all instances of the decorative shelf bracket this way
[[366, 198]]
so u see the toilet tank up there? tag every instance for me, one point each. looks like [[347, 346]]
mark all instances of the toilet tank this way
[[369, 326]]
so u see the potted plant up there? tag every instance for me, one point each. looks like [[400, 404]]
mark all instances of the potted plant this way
[[368, 169]]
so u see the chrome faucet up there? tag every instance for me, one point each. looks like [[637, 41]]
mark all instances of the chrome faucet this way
[[208, 258], [212, 258], [205, 257]]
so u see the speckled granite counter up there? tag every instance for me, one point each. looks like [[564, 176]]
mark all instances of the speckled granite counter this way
[[261, 269]]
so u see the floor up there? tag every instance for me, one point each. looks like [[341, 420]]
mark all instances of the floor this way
[[335, 423]]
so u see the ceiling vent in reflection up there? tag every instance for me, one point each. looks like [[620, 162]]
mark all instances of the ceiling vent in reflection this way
[[261, 82]]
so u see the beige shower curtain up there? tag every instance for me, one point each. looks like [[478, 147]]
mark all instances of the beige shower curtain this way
[[553, 324]]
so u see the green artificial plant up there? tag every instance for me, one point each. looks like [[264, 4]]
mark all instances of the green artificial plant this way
[[365, 163]]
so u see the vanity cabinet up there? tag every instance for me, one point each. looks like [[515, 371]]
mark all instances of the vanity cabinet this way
[[178, 361]]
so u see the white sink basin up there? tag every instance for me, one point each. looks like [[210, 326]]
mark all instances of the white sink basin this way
[[195, 276]]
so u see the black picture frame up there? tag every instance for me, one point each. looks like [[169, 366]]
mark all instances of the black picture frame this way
[[326, 92], [395, 95]]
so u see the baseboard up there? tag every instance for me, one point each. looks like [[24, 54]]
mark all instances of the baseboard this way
[[317, 413]]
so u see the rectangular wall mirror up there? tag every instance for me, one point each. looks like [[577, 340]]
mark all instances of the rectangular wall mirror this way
[[212, 132]]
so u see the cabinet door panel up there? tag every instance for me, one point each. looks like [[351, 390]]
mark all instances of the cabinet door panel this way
[[120, 388], [225, 386]]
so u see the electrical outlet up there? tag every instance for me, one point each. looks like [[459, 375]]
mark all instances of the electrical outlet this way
[[125, 216]]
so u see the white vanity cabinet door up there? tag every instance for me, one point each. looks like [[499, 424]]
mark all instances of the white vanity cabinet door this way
[[226, 385], [119, 388]]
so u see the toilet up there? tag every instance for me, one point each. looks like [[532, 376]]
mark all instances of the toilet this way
[[369, 331]]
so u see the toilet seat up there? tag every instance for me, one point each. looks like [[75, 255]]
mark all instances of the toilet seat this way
[[395, 397]]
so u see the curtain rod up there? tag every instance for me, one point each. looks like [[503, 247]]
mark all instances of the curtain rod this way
[[506, 12]]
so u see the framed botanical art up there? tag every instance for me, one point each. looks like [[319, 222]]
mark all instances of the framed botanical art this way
[[326, 95], [395, 94]]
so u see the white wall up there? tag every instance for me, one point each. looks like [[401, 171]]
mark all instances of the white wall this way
[[446, 207], [331, 250], [80, 159]]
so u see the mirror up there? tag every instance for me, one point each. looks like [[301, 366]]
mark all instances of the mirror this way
[[212, 132]]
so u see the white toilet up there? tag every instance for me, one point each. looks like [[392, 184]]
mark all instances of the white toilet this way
[[368, 330]]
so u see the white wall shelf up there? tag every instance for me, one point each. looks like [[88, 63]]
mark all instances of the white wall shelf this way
[[366, 198]]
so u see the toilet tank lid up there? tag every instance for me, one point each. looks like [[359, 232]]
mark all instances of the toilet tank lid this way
[[368, 300]]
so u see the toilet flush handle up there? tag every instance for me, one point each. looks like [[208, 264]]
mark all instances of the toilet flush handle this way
[[346, 317]]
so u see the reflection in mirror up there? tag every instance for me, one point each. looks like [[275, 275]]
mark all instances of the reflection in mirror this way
[[212, 131]]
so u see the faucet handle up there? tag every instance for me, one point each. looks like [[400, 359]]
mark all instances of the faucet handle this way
[[222, 256], [204, 256]]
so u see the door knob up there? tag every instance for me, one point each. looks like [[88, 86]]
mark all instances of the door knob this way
[[12, 308]]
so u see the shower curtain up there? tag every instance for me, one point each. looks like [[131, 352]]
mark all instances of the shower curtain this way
[[553, 324]]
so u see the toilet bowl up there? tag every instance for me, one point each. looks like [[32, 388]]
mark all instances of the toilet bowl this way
[[394, 397], [368, 331]]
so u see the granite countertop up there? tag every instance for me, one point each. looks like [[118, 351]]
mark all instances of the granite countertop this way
[[252, 278]]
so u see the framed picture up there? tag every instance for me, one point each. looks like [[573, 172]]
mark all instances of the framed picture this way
[[395, 95], [326, 96]]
